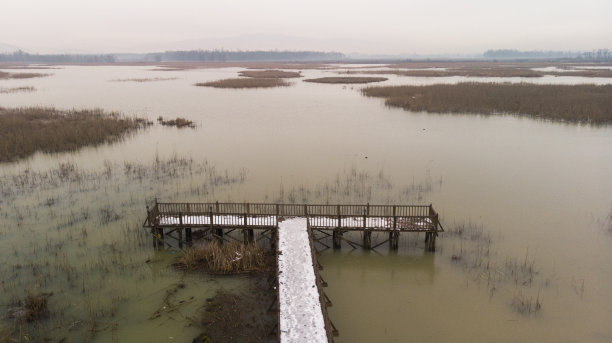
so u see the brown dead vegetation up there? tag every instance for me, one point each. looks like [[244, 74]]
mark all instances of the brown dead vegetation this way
[[178, 66], [25, 131], [151, 79], [7, 75], [228, 258], [347, 79], [572, 103], [245, 83], [16, 89], [179, 122], [270, 74], [486, 72]]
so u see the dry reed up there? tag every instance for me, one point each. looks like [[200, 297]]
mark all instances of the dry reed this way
[[347, 79], [6, 75], [25, 131], [16, 89], [269, 74], [245, 83], [228, 258], [179, 122], [572, 103]]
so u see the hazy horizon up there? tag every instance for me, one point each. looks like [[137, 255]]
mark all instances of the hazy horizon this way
[[440, 27]]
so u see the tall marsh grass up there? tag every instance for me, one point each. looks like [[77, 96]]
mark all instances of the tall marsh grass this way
[[245, 83], [227, 258], [25, 131], [571, 103]]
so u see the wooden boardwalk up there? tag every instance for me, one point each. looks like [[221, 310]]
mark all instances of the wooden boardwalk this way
[[295, 224]]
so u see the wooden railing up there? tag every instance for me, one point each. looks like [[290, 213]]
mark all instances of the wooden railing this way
[[262, 214]]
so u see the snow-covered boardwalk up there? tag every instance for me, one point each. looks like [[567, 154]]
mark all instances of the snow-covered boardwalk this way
[[301, 315]]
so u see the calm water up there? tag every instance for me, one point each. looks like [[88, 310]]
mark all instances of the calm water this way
[[534, 199]]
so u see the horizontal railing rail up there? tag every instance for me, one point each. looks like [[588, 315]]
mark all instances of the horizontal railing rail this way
[[414, 217]]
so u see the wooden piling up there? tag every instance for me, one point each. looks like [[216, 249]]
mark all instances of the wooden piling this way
[[394, 239], [337, 239], [188, 238], [367, 239]]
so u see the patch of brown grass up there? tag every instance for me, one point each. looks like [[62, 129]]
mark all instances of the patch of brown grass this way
[[245, 83], [7, 75], [572, 103], [347, 79], [151, 79], [16, 90], [270, 74], [178, 122], [25, 131], [227, 258]]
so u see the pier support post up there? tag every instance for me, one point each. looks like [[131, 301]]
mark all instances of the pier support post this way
[[188, 235], [394, 239], [154, 235], [180, 238], [430, 241], [337, 239], [248, 236], [160, 237], [367, 239]]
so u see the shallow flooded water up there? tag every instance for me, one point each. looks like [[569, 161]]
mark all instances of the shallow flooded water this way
[[526, 205]]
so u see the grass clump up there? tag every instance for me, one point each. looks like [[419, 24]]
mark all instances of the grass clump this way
[[228, 258], [245, 83], [270, 74], [31, 309], [16, 89], [572, 103], [7, 75], [347, 79], [25, 131], [150, 79], [179, 122]]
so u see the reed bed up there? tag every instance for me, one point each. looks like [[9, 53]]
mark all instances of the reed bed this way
[[245, 83], [570, 103], [347, 79], [227, 258], [270, 74], [7, 75], [16, 89], [179, 122], [149, 79], [486, 72], [25, 131]]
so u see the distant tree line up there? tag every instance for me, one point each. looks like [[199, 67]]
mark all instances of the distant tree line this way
[[177, 56], [20, 56], [595, 55], [241, 56]]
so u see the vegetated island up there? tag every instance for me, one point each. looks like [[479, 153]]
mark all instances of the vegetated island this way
[[7, 75], [150, 79], [572, 103], [16, 89], [269, 74], [485, 72], [347, 79], [25, 131], [245, 83], [179, 122]]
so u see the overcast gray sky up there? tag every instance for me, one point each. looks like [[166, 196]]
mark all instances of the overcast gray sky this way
[[375, 26]]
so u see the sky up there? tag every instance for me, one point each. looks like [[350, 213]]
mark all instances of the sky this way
[[370, 27]]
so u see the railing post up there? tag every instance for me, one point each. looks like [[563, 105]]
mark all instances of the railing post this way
[[339, 217], [394, 218], [217, 206]]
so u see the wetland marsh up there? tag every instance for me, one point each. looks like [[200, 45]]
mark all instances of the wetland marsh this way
[[526, 204]]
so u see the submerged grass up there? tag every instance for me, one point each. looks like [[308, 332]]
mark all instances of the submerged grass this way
[[245, 83], [269, 74], [228, 258], [25, 131], [572, 103], [347, 79]]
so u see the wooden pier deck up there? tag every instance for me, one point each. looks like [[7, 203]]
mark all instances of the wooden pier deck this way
[[290, 229]]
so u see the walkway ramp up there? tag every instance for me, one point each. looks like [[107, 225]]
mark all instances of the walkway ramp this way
[[301, 315]]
